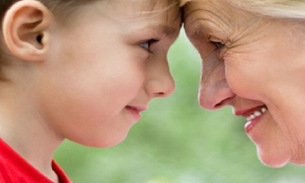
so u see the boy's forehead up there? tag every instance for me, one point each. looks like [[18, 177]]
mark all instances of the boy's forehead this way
[[158, 11], [145, 7], [160, 15], [149, 4]]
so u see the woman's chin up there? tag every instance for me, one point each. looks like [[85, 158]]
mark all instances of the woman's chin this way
[[300, 161], [274, 160]]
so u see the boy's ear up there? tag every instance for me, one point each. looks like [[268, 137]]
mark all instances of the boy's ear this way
[[26, 28]]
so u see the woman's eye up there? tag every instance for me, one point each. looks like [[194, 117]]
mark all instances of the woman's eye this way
[[146, 44], [218, 45]]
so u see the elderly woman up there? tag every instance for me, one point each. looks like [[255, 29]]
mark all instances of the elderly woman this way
[[253, 55]]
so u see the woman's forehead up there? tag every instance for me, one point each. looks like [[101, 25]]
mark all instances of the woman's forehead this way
[[212, 15], [213, 10]]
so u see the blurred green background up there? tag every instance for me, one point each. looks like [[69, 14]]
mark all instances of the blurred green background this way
[[177, 142]]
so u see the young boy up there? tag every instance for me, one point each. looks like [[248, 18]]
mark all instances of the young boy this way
[[81, 70]]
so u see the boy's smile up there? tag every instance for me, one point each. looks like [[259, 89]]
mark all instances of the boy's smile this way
[[102, 71], [82, 70]]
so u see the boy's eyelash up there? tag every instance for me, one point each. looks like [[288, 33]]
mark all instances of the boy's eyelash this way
[[146, 44]]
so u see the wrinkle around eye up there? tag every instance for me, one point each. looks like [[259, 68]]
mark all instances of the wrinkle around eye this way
[[202, 32], [199, 30], [218, 44]]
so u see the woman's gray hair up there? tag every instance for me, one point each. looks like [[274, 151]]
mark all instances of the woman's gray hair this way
[[294, 9]]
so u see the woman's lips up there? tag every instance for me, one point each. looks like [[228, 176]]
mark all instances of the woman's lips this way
[[254, 118], [256, 113], [250, 124], [252, 115]]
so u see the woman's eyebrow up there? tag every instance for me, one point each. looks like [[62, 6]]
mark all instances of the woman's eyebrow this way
[[198, 31], [163, 29]]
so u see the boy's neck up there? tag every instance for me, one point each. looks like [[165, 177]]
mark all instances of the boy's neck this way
[[26, 132]]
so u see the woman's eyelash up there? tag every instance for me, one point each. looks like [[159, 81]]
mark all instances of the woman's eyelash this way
[[146, 44], [218, 45]]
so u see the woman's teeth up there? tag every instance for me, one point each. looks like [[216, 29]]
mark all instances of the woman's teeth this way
[[256, 114]]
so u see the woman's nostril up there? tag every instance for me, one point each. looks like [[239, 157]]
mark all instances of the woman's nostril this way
[[218, 105], [224, 102]]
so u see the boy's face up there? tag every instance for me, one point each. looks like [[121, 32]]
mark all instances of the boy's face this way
[[104, 67]]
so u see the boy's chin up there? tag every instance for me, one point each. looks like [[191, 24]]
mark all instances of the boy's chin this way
[[108, 144], [104, 142]]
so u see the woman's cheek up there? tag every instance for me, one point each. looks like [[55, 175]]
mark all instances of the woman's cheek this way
[[239, 81]]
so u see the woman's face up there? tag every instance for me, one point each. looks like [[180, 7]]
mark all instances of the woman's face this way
[[257, 66]]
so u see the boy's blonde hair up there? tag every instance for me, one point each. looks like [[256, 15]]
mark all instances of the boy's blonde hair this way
[[62, 9]]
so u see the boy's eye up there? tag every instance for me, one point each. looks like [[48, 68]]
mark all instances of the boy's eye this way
[[146, 44]]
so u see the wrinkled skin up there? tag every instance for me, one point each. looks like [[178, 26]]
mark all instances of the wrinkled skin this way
[[252, 62]]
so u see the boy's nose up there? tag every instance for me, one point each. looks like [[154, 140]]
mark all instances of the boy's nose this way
[[160, 82], [161, 87]]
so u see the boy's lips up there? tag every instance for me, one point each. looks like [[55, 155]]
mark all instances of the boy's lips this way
[[136, 110]]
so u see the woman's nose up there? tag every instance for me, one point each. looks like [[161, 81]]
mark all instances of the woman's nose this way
[[214, 90], [215, 95], [160, 82]]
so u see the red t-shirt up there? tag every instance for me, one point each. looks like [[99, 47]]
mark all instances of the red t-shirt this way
[[15, 169]]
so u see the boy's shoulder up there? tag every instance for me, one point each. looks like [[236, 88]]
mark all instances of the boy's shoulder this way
[[13, 168]]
